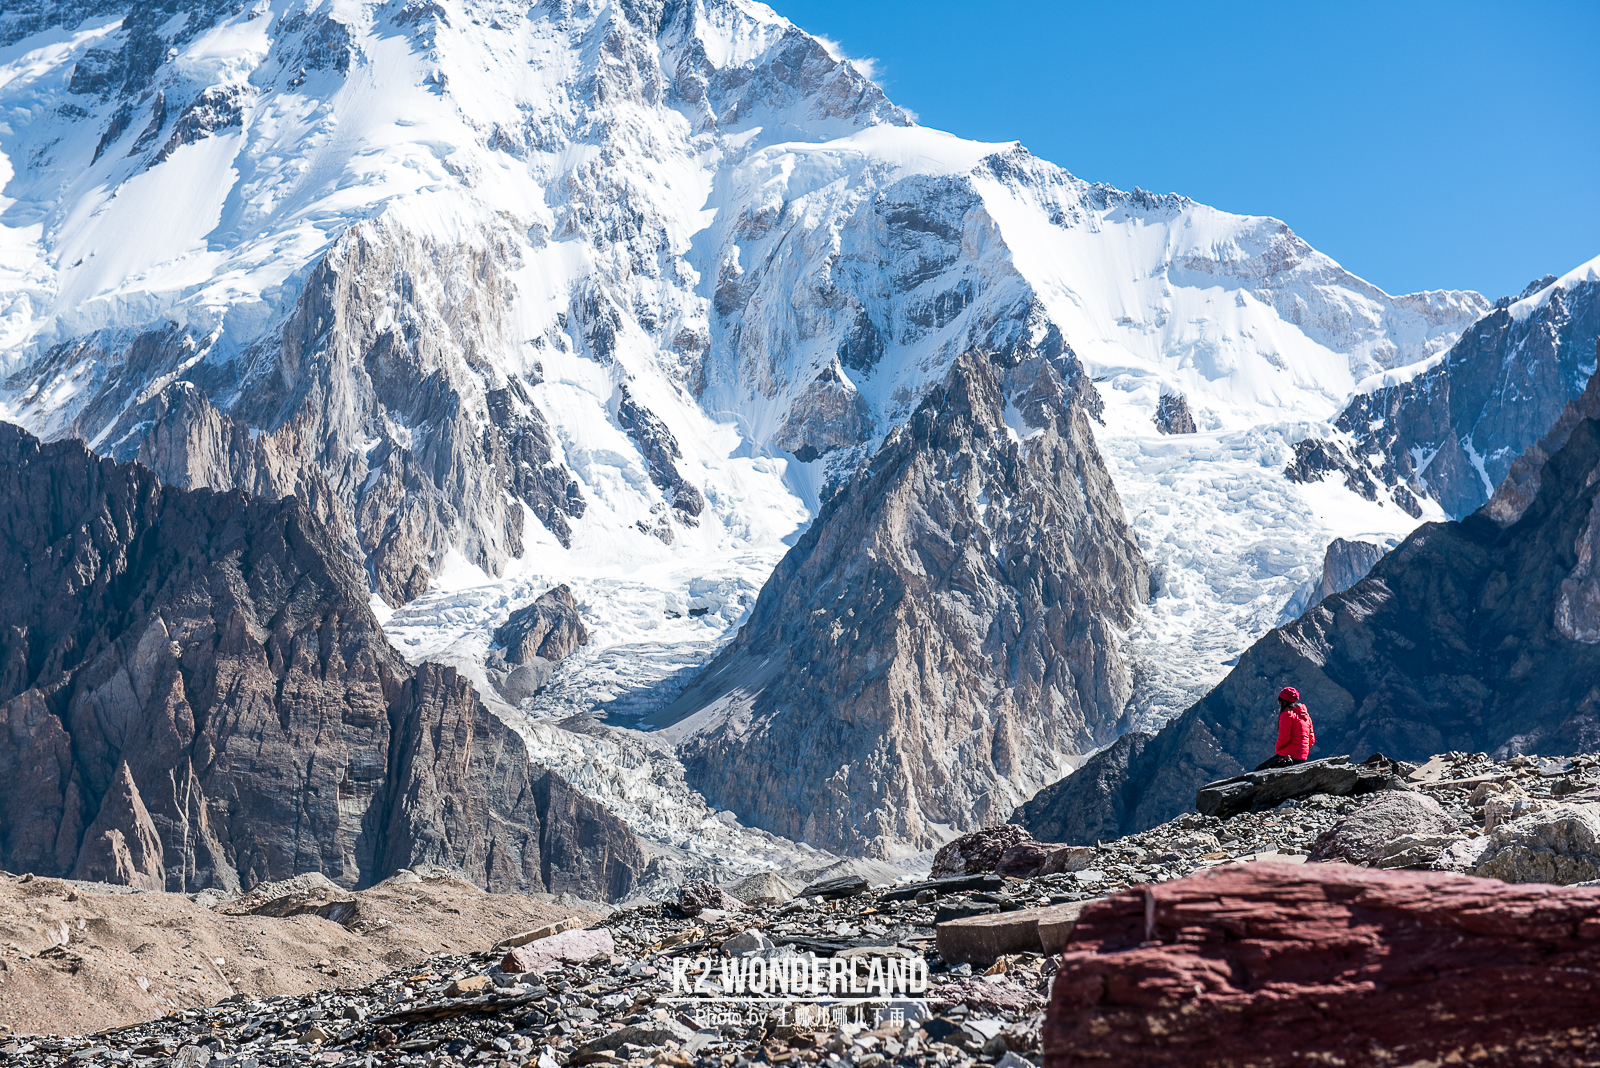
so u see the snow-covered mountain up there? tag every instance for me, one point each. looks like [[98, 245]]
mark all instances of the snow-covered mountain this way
[[616, 295], [1450, 428]]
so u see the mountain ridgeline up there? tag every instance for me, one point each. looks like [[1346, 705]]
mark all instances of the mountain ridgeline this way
[[1476, 635], [194, 693], [1453, 431]]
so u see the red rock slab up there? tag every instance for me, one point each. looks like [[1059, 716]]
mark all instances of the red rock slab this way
[[1272, 965]]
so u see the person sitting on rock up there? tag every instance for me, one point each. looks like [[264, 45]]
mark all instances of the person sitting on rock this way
[[1295, 734]]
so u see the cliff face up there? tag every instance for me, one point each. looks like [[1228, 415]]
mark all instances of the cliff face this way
[[196, 694], [942, 637], [1482, 634]]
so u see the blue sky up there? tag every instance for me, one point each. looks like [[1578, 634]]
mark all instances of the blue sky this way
[[1422, 145]]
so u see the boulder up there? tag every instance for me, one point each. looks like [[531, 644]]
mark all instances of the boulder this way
[[980, 939], [978, 852], [1255, 791], [1362, 836], [843, 886], [1508, 807], [1419, 851], [694, 898], [747, 941], [546, 953], [569, 924], [1023, 860], [1560, 845], [1271, 965], [961, 884], [650, 1034], [763, 888], [1068, 859]]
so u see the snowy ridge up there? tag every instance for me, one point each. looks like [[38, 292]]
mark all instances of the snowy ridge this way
[[695, 201]]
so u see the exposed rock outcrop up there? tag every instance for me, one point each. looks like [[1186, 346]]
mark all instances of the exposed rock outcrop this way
[[942, 633], [1453, 431], [1173, 416], [196, 694], [374, 403], [831, 414], [1345, 564], [1479, 635], [549, 628], [1269, 965], [531, 640]]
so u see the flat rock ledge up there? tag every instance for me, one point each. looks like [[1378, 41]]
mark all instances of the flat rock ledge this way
[[1270, 965]]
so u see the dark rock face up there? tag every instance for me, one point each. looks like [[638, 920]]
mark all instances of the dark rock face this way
[[1268, 965], [660, 449], [214, 109], [1452, 432], [1259, 790], [549, 628], [1094, 802], [943, 628], [1345, 564], [196, 694], [1479, 635], [1173, 416], [831, 414]]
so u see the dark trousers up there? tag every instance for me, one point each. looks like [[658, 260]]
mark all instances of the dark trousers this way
[[1278, 760]]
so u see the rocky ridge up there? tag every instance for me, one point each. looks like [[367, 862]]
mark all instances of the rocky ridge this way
[[197, 695]]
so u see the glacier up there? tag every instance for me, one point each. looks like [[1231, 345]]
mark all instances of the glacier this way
[[691, 206]]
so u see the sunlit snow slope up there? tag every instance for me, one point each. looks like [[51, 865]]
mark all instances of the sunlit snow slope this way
[[508, 288]]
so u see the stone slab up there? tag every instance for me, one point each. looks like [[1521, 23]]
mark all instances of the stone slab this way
[[980, 939], [571, 923]]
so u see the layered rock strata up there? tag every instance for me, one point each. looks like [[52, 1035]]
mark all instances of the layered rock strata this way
[[942, 636], [1268, 964], [1482, 634], [196, 694]]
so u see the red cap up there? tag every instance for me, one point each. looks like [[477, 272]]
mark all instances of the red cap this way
[[1289, 693]]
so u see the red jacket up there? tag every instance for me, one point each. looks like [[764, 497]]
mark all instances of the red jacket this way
[[1295, 735]]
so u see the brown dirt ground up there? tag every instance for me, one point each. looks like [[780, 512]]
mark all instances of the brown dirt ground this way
[[75, 960]]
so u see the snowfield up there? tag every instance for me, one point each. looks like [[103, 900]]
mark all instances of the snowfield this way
[[708, 207]]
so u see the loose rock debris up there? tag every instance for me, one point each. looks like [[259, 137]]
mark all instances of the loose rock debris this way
[[603, 994]]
